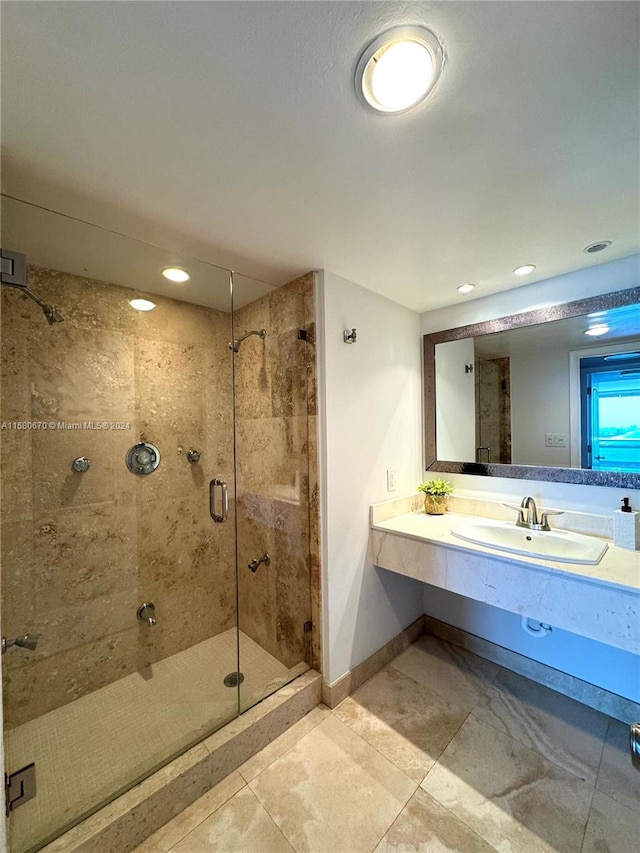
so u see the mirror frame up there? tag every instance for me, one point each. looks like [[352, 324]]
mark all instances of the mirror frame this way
[[581, 476]]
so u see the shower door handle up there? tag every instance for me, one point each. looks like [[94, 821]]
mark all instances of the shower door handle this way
[[219, 518]]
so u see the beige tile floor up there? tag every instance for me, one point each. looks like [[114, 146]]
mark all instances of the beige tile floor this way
[[106, 741], [440, 751]]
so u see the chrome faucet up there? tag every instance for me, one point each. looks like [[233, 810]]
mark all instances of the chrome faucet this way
[[528, 515]]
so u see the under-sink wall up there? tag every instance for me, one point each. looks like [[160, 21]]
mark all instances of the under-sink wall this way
[[611, 668]]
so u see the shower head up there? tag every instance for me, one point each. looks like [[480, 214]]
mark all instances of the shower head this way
[[235, 346], [53, 316]]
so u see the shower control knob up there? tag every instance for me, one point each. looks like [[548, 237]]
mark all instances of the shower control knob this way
[[147, 613], [81, 464], [143, 458]]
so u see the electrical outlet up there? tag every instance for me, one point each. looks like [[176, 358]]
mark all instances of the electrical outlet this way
[[391, 479], [555, 439]]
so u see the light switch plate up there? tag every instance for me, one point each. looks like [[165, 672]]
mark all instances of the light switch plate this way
[[391, 479]]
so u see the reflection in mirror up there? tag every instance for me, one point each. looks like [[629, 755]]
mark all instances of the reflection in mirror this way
[[527, 393]]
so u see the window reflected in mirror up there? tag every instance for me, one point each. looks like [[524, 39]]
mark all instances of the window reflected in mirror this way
[[610, 412]]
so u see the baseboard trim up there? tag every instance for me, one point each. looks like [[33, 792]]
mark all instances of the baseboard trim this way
[[333, 694], [569, 685]]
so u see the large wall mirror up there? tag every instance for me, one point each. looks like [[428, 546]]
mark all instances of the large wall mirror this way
[[551, 394]]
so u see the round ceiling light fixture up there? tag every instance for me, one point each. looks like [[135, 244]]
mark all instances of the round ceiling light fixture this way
[[525, 269], [142, 304], [596, 331], [600, 246], [176, 274], [465, 288], [399, 69]]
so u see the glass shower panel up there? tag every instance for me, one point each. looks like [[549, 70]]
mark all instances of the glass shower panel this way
[[273, 340], [106, 697]]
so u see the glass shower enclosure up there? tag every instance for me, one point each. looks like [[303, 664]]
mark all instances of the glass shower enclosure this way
[[155, 508]]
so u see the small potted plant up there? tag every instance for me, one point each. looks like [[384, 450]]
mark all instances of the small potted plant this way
[[436, 493]]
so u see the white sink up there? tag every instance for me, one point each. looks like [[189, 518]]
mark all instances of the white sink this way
[[556, 545]]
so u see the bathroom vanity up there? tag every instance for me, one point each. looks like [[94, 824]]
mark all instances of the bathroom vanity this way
[[597, 600]]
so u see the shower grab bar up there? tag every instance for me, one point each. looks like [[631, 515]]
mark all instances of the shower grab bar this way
[[219, 518]]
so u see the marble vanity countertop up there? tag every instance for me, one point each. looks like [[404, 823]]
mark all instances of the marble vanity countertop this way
[[618, 567]]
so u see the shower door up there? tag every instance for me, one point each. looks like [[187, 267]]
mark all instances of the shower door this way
[[115, 420]]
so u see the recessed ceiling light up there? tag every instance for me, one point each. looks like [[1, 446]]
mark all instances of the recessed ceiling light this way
[[399, 69], [176, 274], [525, 269], [595, 331], [600, 246], [465, 288], [142, 304]]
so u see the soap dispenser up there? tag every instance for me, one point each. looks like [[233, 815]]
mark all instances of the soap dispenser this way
[[626, 527]]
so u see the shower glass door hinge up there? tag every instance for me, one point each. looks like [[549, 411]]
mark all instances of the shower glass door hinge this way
[[308, 626], [13, 268], [19, 787]]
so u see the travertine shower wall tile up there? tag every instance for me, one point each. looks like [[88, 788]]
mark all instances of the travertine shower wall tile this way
[[39, 685], [15, 404], [257, 615], [289, 386], [15, 461], [17, 589], [277, 471], [272, 453], [87, 305], [170, 380], [56, 485], [182, 323], [77, 377], [83, 554], [82, 551]]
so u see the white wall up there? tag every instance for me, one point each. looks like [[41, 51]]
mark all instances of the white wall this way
[[605, 666], [456, 401], [540, 405], [370, 420]]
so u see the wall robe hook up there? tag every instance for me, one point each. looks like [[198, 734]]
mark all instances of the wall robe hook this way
[[350, 337]]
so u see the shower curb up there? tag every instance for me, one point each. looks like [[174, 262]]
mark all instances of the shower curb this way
[[126, 822]]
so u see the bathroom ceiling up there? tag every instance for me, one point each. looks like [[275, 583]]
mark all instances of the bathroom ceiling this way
[[232, 132], [566, 335]]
